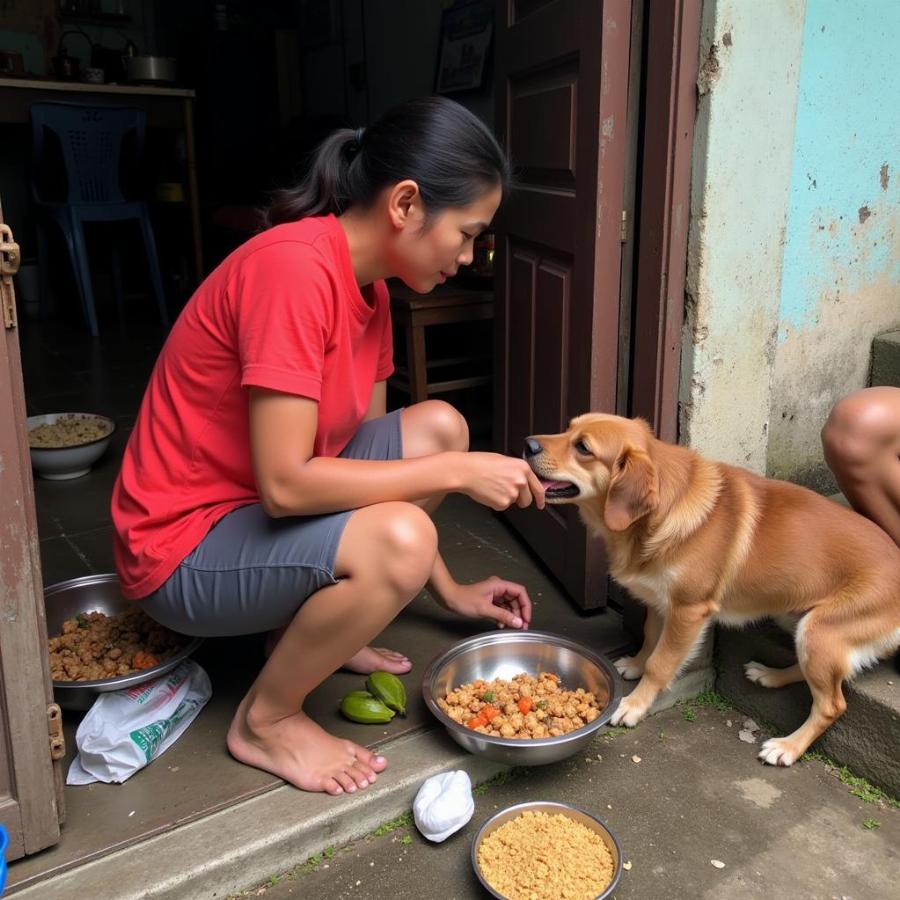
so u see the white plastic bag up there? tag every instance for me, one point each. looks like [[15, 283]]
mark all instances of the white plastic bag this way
[[125, 730], [443, 805]]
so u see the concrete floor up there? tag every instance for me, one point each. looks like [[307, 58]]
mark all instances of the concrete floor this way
[[678, 794]]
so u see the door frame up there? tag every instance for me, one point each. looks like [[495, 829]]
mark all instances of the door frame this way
[[672, 50], [31, 795]]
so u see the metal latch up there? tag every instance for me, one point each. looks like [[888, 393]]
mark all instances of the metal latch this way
[[55, 731], [10, 256], [623, 228]]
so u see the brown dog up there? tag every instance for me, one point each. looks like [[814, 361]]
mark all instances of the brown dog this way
[[699, 541]]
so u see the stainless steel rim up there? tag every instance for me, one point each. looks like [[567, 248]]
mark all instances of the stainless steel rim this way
[[543, 804], [538, 637], [122, 681]]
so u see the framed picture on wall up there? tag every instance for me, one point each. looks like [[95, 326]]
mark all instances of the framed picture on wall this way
[[466, 31]]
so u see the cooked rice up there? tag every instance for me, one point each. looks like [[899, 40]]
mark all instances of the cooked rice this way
[[70, 431], [545, 856]]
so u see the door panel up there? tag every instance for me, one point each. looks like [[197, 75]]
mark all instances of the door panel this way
[[29, 781], [562, 100]]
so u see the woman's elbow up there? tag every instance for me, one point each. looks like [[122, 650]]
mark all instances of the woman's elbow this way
[[275, 497]]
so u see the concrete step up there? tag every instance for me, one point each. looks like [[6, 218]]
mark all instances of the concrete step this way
[[244, 844], [866, 738], [886, 360]]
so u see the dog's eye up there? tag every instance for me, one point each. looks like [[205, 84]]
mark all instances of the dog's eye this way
[[582, 448]]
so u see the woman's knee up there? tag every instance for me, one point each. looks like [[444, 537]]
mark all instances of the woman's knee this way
[[405, 545], [860, 426], [435, 427]]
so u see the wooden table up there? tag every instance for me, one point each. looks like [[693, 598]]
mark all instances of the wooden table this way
[[446, 305], [166, 107]]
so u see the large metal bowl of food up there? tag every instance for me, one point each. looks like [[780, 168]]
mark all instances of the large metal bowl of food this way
[[505, 654], [76, 599], [600, 864]]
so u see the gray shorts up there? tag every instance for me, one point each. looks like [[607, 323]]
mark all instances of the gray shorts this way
[[252, 572]]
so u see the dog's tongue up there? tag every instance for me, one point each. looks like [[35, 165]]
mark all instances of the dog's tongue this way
[[554, 485]]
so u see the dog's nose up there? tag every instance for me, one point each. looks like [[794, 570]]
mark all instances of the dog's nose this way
[[532, 447]]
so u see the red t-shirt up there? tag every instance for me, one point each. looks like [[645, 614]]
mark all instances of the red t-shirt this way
[[282, 312]]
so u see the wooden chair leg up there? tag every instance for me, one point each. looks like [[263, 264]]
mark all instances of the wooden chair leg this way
[[415, 360]]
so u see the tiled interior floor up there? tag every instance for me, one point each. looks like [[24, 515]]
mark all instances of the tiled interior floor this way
[[65, 370]]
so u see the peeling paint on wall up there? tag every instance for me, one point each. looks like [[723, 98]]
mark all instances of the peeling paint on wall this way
[[841, 282], [739, 200]]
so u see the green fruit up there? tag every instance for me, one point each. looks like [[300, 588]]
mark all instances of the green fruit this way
[[365, 709], [389, 690], [364, 694]]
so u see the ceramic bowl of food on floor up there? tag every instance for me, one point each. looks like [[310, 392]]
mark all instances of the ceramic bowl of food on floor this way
[[66, 445], [521, 697], [510, 853], [98, 641]]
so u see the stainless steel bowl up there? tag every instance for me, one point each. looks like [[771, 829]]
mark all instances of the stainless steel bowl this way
[[96, 593], [598, 826], [504, 654]]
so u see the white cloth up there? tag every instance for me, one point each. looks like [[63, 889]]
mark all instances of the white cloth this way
[[124, 730], [443, 805]]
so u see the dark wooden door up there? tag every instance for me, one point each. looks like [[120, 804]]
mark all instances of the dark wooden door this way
[[30, 781], [561, 107]]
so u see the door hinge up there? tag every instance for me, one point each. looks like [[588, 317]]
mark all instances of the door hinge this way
[[55, 731], [623, 228], [9, 265]]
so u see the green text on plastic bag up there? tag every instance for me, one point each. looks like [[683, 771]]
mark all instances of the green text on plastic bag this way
[[149, 737]]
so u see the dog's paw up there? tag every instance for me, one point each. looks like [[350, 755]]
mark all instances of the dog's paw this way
[[760, 674], [779, 752], [628, 714], [629, 668]]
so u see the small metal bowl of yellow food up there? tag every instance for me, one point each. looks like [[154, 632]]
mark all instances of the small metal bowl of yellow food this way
[[66, 445], [506, 655], [510, 853]]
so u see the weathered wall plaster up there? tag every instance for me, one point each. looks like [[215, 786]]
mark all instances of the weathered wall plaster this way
[[841, 274], [748, 84]]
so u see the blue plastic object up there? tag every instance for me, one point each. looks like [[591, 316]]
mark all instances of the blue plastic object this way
[[4, 840], [91, 138]]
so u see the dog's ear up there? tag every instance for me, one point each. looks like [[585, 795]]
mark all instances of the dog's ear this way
[[633, 489]]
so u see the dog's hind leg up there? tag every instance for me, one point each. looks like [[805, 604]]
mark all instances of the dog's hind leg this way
[[766, 676], [825, 662], [632, 667]]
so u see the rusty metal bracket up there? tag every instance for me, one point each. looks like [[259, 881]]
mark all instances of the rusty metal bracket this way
[[55, 731], [10, 257]]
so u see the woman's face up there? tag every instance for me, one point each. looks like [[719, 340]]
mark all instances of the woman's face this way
[[428, 252]]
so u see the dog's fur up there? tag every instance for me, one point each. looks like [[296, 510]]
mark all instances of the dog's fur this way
[[698, 541]]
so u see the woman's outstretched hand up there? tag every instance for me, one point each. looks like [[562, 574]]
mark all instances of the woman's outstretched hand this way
[[506, 602], [499, 481]]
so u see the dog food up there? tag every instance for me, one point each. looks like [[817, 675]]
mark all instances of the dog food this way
[[544, 856], [524, 707], [71, 431], [94, 646]]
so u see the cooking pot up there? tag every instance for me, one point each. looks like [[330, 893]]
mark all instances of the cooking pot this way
[[150, 69]]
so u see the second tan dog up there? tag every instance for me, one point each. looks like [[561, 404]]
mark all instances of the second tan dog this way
[[698, 541]]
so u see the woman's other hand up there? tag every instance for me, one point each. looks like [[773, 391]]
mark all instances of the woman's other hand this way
[[506, 602], [499, 481]]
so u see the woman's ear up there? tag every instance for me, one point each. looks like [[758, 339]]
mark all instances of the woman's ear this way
[[633, 489], [404, 203]]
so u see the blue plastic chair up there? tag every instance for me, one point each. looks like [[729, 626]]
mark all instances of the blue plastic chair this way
[[92, 138]]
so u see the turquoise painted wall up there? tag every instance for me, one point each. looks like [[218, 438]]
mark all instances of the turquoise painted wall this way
[[841, 268]]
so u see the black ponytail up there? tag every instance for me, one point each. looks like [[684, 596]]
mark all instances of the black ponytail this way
[[447, 150]]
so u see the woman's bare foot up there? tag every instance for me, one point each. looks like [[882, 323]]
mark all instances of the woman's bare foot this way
[[377, 659], [301, 752], [368, 660]]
